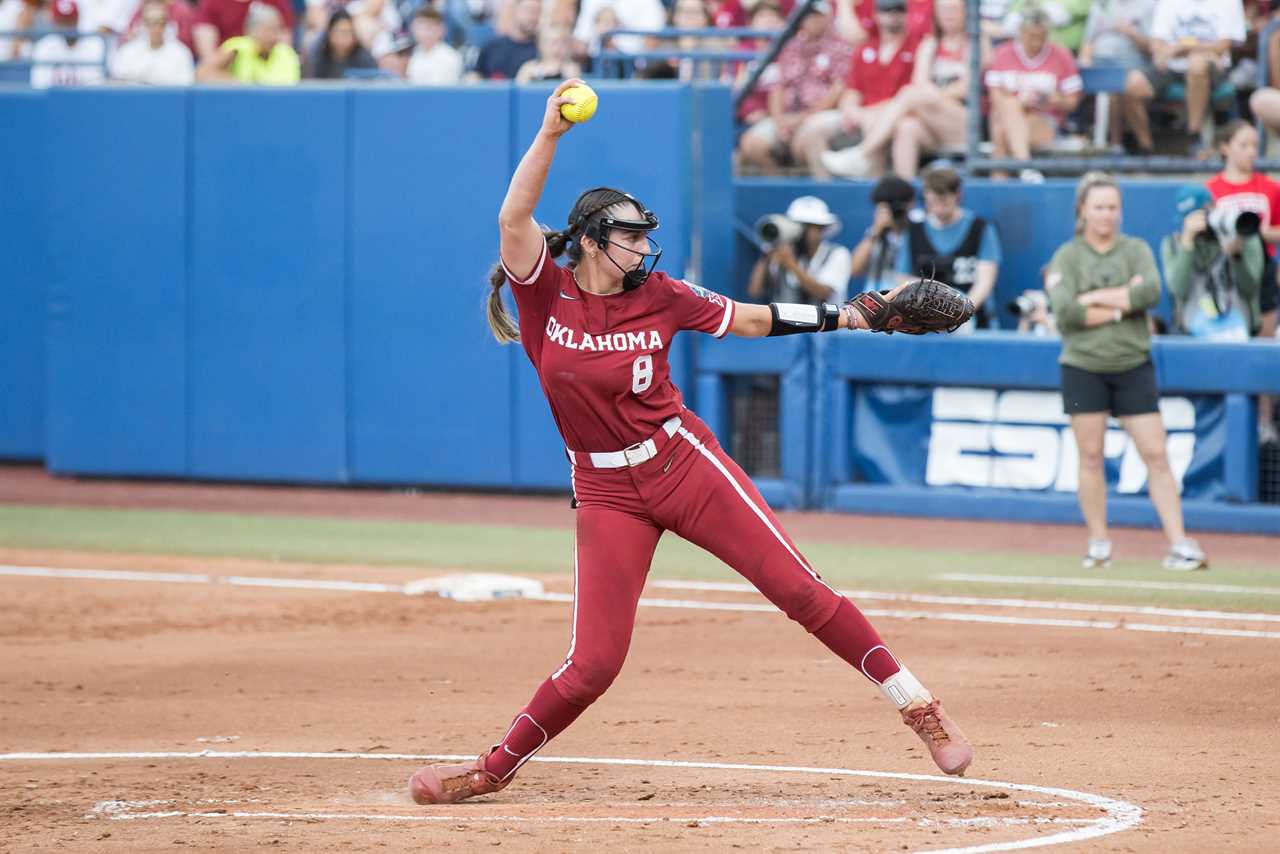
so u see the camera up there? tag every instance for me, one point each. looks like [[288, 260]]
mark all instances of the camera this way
[[1227, 224], [776, 228], [1028, 302]]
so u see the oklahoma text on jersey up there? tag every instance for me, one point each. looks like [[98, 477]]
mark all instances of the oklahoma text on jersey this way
[[618, 342]]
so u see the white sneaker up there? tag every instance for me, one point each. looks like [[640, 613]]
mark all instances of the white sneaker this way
[[847, 162], [1186, 556], [1031, 176], [1098, 556]]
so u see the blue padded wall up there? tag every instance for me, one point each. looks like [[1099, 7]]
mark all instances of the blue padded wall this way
[[267, 286], [430, 388], [117, 281], [22, 275]]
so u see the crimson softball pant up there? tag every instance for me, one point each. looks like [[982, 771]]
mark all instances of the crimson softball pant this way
[[695, 490]]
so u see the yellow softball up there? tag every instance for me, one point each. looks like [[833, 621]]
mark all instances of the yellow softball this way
[[584, 103]]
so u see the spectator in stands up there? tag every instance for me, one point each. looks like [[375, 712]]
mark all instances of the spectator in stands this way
[[555, 56], [765, 15], [155, 57], [434, 62], [219, 20], [51, 51], [647, 15], [875, 258], [337, 50], [1239, 187], [261, 56], [741, 13], [856, 20], [503, 56], [927, 114], [1101, 285], [392, 52], [804, 85], [952, 244], [1033, 85], [1117, 33], [1190, 44], [1066, 19], [182, 18], [810, 269], [880, 68], [1215, 283]]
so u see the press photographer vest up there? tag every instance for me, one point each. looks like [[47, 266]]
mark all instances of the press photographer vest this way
[[959, 269]]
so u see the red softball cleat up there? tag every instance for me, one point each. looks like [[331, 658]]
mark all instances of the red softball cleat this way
[[947, 744], [448, 784]]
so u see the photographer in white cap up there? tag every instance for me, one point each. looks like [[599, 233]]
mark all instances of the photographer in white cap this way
[[800, 263]]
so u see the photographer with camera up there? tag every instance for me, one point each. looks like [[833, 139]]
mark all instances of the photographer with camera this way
[[1033, 312], [1240, 188], [1101, 285], [1214, 268], [800, 264], [875, 258], [952, 244]]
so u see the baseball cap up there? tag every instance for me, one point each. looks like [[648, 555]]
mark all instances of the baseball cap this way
[[64, 10], [891, 5], [1191, 197]]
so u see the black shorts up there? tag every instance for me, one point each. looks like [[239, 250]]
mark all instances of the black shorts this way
[[1131, 392]]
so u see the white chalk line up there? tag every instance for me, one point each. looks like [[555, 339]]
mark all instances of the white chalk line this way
[[1071, 581], [1120, 815], [650, 602], [1030, 604]]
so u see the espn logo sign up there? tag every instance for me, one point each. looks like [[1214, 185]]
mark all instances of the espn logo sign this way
[[1023, 440]]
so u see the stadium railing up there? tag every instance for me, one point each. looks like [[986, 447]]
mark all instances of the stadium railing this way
[[617, 63]]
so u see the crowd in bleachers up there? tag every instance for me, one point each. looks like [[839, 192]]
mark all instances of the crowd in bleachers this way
[[865, 87]]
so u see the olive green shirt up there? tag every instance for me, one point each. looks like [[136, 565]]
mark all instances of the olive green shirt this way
[[1183, 264], [1077, 268]]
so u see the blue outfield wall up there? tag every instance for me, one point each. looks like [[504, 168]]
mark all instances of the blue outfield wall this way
[[877, 442], [22, 274], [289, 285]]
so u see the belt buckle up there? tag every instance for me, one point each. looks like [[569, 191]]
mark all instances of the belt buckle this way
[[641, 452]]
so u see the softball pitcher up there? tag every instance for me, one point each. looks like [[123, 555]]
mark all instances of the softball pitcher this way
[[598, 332]]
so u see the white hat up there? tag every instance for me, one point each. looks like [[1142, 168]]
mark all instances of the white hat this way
[[811, 210]]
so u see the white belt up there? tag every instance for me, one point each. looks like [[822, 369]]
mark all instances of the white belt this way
[[640, 452]]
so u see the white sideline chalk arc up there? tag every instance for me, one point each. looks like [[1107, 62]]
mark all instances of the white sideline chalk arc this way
[[1121, 815], [411, 589]]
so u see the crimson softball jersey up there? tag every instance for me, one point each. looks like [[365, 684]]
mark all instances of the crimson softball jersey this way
[[602, 360]]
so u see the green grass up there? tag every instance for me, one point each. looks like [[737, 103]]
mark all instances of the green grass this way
[[535, 550]]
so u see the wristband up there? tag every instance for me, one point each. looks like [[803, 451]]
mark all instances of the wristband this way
[[790, 318]]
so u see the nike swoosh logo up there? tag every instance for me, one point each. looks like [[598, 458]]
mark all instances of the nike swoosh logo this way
[[563, 295]]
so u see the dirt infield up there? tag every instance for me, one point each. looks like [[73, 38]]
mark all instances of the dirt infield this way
[[1178, 726], [33, 485]]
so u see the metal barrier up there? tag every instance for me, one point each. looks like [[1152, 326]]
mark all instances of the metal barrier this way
[[618, 63]]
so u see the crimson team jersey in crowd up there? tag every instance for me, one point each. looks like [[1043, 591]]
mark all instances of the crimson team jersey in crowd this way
[[1052, 71], [1259, 194], [602, 360], [228, 16], [919, 17], [877, 81]]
